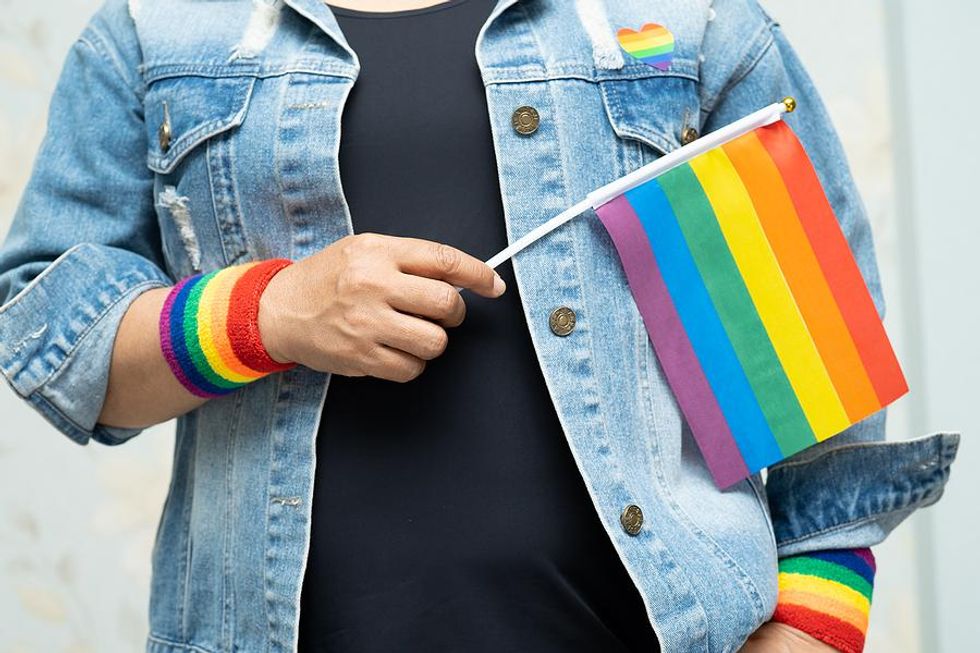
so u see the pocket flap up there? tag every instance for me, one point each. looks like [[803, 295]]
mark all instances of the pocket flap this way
[[182, 112], [655, 109]]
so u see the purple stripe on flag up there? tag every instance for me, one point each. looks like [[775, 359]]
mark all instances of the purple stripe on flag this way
[[677, 357]]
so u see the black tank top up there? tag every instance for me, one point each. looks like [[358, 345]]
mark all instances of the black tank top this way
[[448, 513]]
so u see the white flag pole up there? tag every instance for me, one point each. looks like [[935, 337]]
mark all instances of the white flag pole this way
[[681, 155]]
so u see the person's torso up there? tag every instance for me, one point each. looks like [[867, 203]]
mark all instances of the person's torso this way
[[478, 516], [252, 97]]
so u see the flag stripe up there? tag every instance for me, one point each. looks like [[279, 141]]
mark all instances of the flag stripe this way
[[801, 268], [628, 36], [731, 299], [647, 41], [661, 61], [711, 344], [832, 250], [770, 293], [679, 362], [653, 50]]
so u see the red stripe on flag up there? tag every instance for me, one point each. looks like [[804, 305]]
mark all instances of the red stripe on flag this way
[[838, 263], [806, 279]]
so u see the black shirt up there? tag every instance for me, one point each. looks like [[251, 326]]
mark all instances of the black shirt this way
[[448, 513]]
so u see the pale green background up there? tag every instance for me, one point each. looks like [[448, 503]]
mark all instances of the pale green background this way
[[77, 523]]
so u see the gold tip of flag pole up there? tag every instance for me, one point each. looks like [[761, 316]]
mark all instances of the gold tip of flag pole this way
[[790, 103]]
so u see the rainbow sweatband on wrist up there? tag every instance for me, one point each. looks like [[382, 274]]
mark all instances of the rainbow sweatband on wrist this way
[[209, 329], [827, 594]]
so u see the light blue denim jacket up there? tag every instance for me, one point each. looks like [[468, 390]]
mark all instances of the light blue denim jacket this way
[[253, 94]]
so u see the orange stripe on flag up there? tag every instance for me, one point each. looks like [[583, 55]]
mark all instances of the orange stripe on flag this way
[[835, 257], [626, 35], [801, 268]]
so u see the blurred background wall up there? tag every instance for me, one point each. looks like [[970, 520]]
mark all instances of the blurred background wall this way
[[77, 523]]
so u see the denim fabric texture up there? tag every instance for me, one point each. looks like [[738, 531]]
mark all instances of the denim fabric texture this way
[[253, 95]]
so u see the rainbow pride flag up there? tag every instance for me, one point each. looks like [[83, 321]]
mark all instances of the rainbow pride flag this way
[[755, 306]]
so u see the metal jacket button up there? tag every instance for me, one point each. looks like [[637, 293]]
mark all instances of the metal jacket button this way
[[525, 120], [562, 321], [164, 133], [689, 135], [631, 519]]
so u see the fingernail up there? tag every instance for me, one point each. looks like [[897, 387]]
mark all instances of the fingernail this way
[[498, 285]]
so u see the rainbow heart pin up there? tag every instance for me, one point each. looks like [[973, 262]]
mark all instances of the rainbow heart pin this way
[[653, 45]]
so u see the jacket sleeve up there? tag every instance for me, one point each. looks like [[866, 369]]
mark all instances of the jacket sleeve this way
[[84, 242], [851, 490]]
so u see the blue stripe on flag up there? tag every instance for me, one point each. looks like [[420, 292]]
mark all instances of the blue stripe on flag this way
[[703, 326]]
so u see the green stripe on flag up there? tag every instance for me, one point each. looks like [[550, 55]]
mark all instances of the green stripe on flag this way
[[737, 311], [649, 52]]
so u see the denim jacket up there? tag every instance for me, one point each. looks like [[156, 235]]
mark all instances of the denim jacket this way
[[187, 135]]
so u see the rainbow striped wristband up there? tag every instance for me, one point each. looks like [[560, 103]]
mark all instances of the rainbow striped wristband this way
[[209, 329], [827, 594]]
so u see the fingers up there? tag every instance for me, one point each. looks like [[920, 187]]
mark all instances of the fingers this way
[[412, 335], [429, 298], [393, 365], [438, 261]]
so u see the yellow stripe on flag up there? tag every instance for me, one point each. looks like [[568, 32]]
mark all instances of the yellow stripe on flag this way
[[631, 36], [649, 42], [770, 293]]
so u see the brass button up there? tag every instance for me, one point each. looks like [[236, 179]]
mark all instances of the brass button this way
[[631, 519], [562, 321], [525, 120], [689, 135], [164, 134]]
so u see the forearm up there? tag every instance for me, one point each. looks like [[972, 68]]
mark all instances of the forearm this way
[[142, 390]]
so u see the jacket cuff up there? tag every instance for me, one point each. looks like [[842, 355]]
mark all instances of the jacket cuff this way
[[852, 496], [827, 594], [57, 335]]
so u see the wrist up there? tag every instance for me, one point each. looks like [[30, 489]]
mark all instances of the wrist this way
[[827, 595], [209, 330], [270, 319]]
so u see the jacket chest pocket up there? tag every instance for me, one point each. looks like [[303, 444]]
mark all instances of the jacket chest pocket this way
[[656, 113], [191, 124]]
